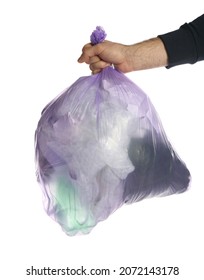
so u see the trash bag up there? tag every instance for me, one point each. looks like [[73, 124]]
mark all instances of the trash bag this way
[[100, 144]]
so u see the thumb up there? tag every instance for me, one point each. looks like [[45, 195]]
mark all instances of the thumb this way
[[87, 52]]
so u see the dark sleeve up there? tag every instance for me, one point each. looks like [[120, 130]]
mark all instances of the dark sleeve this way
[[185, 45]]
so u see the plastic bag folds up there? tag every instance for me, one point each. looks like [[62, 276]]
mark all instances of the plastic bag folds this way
[[100, 144]]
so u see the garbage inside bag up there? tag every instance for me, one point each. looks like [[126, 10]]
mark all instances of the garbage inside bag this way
[[99, 145]]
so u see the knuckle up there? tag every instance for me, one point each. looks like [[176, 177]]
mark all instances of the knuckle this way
[[86, 47]]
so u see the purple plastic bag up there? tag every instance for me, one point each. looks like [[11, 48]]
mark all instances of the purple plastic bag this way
[[99, 145]]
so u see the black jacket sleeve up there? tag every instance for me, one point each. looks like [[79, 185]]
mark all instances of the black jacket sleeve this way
[[185, 45]]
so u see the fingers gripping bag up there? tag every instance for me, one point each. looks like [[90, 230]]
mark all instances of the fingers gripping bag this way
[[99, 145]]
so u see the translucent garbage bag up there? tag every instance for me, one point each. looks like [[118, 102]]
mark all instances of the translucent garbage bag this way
[[100, 145]]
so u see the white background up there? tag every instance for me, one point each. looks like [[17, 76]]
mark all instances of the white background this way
[[40, 42]]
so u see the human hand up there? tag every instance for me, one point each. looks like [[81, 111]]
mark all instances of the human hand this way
[[105, 54]]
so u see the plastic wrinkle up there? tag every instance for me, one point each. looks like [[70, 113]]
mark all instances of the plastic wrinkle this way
[[98, 35], [99, 145]]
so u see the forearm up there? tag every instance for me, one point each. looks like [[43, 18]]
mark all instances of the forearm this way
[[147, 54]]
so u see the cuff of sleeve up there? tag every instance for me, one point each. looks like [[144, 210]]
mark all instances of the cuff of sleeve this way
[[180, 46]]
